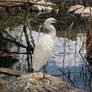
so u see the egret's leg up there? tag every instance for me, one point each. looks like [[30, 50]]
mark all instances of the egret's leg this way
[[44, 71], [32, 70]]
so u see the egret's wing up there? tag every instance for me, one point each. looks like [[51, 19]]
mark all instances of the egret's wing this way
[[42, 53]]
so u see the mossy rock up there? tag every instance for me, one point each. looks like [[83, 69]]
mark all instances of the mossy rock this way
[[35, 82]]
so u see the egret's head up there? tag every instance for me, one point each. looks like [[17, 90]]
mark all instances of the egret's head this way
[[50, 21]]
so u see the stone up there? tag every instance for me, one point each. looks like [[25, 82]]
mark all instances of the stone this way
[[35, 82]]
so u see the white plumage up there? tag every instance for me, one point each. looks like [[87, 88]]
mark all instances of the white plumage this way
[[43, 48]]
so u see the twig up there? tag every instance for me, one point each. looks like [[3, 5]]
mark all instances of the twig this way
[[26, 34]]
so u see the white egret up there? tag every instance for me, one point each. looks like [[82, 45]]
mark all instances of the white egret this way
[[43, 48]]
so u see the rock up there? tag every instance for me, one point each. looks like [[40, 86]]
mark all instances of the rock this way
[[2, 83], [35, 83]]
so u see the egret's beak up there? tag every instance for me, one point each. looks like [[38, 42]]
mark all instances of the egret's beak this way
[[55, 21]]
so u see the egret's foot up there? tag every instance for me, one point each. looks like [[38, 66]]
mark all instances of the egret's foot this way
[[44, 74], [45, 78]]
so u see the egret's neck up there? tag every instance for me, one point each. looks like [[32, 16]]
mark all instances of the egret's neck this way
[[52, 30]]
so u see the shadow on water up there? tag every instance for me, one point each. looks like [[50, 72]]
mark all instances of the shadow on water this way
[[65, 63]]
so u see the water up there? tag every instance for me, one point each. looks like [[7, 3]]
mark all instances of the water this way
[[65, 62]]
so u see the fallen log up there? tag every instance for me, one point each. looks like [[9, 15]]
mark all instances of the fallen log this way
[[10, 72], [11, 3]]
